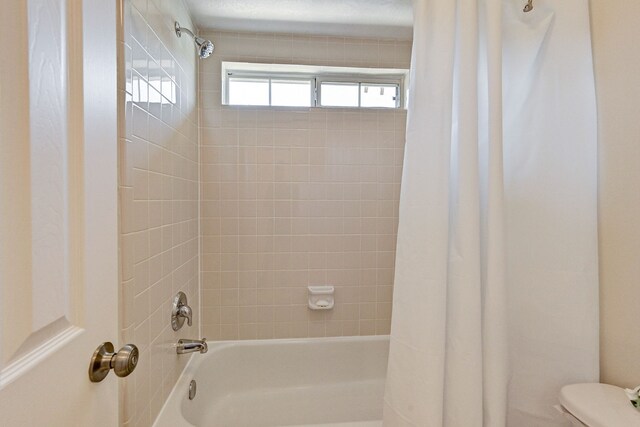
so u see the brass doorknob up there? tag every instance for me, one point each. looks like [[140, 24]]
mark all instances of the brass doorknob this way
[[104, 359]]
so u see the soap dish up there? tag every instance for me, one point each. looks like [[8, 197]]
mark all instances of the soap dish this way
[[321, 297]]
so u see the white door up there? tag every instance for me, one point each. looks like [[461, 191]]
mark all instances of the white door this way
[[58, 211]]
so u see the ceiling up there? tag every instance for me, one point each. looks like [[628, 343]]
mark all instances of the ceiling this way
[[358, 18]]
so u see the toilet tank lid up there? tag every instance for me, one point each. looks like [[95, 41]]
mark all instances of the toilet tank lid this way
[[599, 405]]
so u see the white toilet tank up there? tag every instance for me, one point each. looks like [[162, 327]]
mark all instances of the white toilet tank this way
[[598, 405]]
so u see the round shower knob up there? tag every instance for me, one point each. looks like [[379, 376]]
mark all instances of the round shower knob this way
[[104, 359]]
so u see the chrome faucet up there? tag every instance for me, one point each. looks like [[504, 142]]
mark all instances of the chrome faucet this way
[[191, 346]]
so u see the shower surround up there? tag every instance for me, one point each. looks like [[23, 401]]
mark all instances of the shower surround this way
[[293, 197], [288, 198]]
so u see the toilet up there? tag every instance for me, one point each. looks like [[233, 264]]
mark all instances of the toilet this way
[[598, 405]]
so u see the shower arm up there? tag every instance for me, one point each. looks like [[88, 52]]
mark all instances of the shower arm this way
[[180, 29], [205, 47]]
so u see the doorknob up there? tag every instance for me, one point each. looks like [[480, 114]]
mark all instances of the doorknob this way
[[104, 359]]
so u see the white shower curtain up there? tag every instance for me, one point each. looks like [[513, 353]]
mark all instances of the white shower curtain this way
[[496, 297]]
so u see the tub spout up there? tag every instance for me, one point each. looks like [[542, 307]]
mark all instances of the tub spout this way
[[191, 346]]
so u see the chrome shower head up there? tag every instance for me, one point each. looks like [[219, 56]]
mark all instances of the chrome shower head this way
[[205, 47]]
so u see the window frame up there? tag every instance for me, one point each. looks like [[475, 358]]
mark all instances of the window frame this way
[[316, 75]]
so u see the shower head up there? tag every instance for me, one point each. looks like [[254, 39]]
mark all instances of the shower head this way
[[205, 47], [528, 7]]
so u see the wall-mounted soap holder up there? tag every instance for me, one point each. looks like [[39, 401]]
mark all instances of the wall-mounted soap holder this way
[[321, 297]]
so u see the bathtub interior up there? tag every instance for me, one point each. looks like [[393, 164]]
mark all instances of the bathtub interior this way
[[336, 381]]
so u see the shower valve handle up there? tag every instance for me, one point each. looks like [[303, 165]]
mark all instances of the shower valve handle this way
[[180, 312], [185, 311]]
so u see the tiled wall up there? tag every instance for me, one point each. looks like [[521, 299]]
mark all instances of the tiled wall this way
[[297, 197], [158, 190]]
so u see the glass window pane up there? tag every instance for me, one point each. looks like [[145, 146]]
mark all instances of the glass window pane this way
[[248, 91], [378, 95], [339, 94], [291, 93]]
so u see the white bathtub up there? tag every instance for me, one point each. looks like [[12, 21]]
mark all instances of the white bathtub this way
[[267, 383]]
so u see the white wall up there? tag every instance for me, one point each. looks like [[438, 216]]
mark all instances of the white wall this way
[[616, 43]]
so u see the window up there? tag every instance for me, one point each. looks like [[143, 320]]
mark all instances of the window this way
[[269, 91], [292, 93], [248, 91], [285, 85], [360, 94], [335, 94], [379, 95]]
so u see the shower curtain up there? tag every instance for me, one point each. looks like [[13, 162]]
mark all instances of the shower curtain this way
[[496, 293]]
